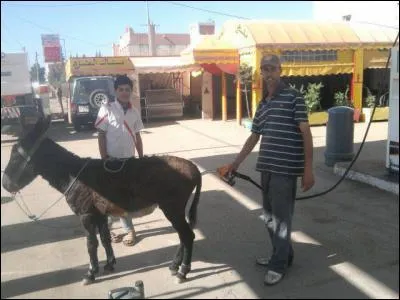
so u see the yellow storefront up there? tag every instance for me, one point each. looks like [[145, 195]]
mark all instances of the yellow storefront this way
[[310, 49], [216, 57]]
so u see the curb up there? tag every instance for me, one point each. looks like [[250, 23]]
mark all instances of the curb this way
[[388, 186]]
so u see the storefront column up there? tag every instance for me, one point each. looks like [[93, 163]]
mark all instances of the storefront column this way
[[358, 79], [256, 89], [238, 102], [224, 103]]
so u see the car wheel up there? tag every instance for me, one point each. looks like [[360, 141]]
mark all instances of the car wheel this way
[[98, 98]]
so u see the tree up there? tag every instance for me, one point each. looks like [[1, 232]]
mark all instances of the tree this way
[[34, 73], [56, 74], [245, 77]]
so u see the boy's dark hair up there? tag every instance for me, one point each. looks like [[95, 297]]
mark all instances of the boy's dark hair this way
[[121, 80]]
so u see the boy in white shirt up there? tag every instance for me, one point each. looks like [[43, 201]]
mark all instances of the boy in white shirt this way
[[119, 126]]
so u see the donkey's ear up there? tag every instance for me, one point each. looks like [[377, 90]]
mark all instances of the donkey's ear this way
[[42, 125], [45, 124]]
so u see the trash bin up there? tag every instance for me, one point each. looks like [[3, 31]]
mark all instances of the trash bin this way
[[339, 135]]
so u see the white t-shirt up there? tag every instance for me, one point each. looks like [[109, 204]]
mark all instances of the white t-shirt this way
[[120, 128]]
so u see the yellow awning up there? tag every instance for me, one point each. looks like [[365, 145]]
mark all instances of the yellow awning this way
[[308, 34], [210, 50], [293, 34], [316, 70]]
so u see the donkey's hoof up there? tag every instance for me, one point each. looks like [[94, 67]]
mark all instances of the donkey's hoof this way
[[180, 278], [174, 270], [88, 279], [109, 267]]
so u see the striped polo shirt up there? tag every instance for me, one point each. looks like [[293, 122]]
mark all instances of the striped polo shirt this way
[[277, 121]]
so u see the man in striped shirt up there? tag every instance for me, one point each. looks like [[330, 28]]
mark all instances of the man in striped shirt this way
[[286, 153]]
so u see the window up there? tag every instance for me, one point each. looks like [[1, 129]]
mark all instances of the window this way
[[308, 56]]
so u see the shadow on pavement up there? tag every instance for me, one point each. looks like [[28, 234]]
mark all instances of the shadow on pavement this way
[[234, 237], [361, 231]]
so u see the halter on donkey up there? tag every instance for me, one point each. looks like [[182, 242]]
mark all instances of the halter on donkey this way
[[93, 193]]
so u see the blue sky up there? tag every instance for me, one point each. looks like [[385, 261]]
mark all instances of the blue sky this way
[[89, 26]]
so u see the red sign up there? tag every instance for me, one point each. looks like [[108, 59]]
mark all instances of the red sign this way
[[52, 54], [50, 40]]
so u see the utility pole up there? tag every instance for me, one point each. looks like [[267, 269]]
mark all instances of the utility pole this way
[[151, 33], [37, 68]]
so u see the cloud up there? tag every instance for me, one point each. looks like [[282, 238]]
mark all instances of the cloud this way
[[382, 12]]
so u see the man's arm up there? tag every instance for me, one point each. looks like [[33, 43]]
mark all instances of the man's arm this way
[[139, 145], [308, 178], [251, 142], [102, 144]]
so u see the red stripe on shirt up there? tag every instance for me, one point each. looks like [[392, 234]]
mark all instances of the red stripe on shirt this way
[[130, 131], [101, 120]]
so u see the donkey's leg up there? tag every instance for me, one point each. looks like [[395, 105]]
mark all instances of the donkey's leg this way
[[176, 262], [105, 237], [89, 224], [186, 236]]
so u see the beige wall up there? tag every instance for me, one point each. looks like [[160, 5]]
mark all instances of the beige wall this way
[[207, 97], [135, 91]]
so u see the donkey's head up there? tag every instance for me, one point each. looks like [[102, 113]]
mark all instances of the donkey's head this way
[[20, 170]]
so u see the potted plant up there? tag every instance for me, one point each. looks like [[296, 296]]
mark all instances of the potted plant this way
[[342, 99], [370, 101], [312, 100], [382, 109]]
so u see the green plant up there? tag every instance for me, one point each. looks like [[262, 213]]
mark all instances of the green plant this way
[[370, 100], [312, 97], [342, 98], [301, 90]]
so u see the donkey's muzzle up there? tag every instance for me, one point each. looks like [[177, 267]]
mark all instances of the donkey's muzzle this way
[[8, 185]]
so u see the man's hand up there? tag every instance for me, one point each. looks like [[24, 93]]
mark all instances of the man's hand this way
[[251, 142], [307, 182], [226, 170]]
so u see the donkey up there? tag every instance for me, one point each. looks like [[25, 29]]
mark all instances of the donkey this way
[[93, 192]]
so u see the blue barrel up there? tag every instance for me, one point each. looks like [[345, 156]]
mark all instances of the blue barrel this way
[[339, 135]]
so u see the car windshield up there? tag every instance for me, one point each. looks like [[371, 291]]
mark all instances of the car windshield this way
[[84, 89]]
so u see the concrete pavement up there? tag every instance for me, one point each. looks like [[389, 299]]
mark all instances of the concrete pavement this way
[[346, 242]]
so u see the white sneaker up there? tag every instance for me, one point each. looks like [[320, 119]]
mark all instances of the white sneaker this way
[[272, 277]]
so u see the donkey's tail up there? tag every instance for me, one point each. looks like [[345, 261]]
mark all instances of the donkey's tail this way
[[193, 208]]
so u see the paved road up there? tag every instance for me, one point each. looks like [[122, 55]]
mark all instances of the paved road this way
[[346, 242]]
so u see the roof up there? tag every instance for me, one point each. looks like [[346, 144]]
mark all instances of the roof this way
[[370, 33], [293, 33], [302, 33], [161, 39]]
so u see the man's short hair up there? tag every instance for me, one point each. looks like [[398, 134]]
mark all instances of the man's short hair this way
[[121, 80]]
